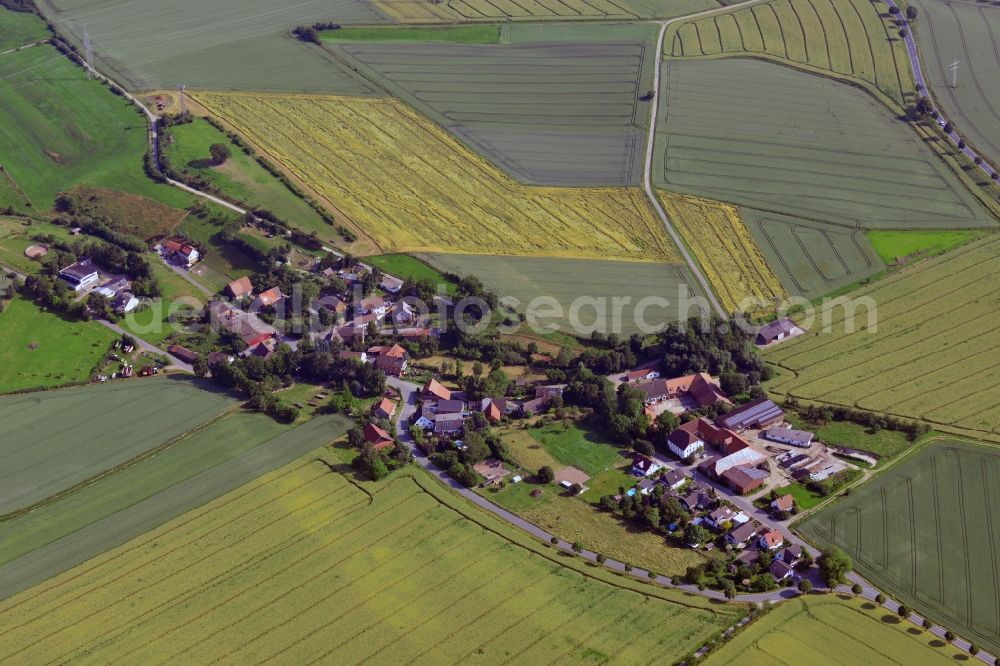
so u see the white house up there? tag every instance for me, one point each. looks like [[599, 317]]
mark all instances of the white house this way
[[686, 441], [644, 466], [80, 275], [125, 302]]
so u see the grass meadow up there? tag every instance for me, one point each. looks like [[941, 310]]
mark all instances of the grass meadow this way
[[57, 439], [969, 32], [20, 28], [923, 532], [575, 445], [827, 630], [897, 246], [41, 350], [59, 129], [913, 360], [435, 195], [575, 120], [199, 466], [873, 173], [240, 178], [302, 565]]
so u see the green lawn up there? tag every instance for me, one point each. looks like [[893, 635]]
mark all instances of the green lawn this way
[[223, 258], [152, 323], [19, 28], [59, 129], [240, 177], [572, 444], [884, 443], [41, 350], [804, 498], [406, 267], [892, 246], [460, 34]]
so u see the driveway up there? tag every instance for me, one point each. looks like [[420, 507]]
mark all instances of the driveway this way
[[145, 346]]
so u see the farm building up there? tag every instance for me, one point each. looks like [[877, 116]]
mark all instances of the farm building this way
[[492, 470], [801, 438], [183, 353], [390, 360], [218, 358], [111, 288], [550, 391], [377, 437], [385, 409], [716, 466], [391, 284], [240, 288], [642, 374], [744, 478], [760, 413], [654, 391], [699, 387], [250, 329], [567, 476], [776, 331], [80, 275]]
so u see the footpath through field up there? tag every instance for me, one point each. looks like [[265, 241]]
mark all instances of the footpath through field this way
[[647, 178]]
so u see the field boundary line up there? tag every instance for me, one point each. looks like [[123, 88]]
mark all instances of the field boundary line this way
[[128, 464]]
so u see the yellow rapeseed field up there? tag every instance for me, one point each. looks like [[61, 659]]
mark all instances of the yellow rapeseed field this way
[[725, 249], [412, 187]]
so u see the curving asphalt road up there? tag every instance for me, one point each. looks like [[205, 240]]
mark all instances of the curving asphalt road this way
[[924, 92]]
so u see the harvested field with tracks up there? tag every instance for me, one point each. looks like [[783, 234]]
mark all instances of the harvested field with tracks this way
[[302, 565], [791, 134], [825, 630], [727, 252], [950, 30], [414, 188], [852, 38], [926, 532], [812, 258], [461, 11], [932, 354], [564, 112], [577, 280]]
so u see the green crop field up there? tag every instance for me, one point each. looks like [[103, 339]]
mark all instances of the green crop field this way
[[852, 38], [584, 282], [893, 246], [547, 112], [812, 258], [931, 352], [59, 129], [923, 531], [970, 32], [459, 34], [464, 11], [58, 439], [41, 350], [240, 178], [302, 565], [793, 133], [225, 45], [19, 28], [829, 631], [199, 467]]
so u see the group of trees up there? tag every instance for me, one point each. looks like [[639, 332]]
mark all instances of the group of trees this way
[[822, 414], [377, 464]]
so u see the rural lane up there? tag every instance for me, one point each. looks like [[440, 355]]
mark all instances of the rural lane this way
[[923, 90], [651, 141], [145, 346]]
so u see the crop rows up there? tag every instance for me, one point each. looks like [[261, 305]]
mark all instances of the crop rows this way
[[547, 113], [299, 567], [932, 351], [452, 11], [414, 188], [726, 251], [847, 37], [792, 133], [969, 32], [926, 531]]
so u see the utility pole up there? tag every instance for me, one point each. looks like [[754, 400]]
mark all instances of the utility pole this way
[[89, 51], [180, 89], [953, 67]]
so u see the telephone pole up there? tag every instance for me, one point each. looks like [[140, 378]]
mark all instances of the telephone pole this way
[[89, 52], [953, 67], [180, 89]]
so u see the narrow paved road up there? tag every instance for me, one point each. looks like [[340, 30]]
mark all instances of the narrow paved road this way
[[152, 349], [923, 90], [650, 144], [186, 275]]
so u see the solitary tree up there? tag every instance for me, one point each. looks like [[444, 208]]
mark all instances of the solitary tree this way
[[880, 598], [904, 611], [601, 558], [554, 541], [577, 547], [927, 623], [949, 635], [805, 587], [911, 13], [834, 565], [973, 649], [219, 152], [545, 474], [857, 589]]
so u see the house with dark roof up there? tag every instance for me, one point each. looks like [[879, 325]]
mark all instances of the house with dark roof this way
[[781, 571], [449, 424], [391, 284], [760, 413], [777, 330], [81, 274], [183, 353], [686, 440], [790, 555], [673, 479], [654, 390], [644, 465], [741, 535], [449, 407]]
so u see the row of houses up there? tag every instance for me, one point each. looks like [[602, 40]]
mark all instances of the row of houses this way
[[444, 411], [700, 388], [84, 274], [179, 251]]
